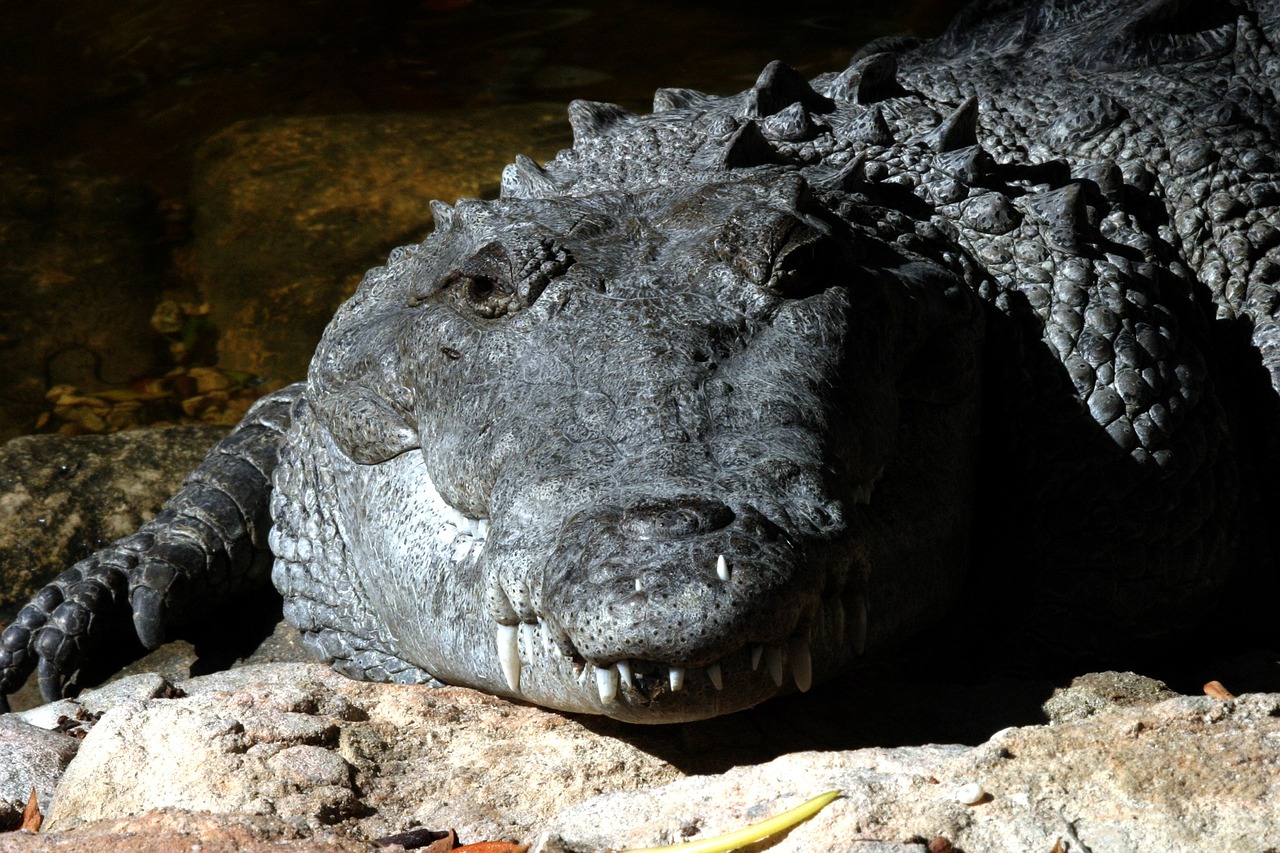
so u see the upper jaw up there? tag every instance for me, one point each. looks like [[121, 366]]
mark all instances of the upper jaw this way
[[712, 615]]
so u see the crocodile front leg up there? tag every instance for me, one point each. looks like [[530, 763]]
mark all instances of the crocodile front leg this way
[[198, 550]]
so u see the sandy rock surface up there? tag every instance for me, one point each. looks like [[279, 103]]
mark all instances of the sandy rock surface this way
[[279, 756], [1186, 774]]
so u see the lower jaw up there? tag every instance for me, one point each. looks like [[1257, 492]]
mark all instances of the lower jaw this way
[[652, 692], [657, 704]]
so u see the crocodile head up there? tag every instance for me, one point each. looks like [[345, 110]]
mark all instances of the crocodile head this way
[[649, 454]]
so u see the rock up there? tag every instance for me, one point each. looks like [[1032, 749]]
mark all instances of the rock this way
[[173, 831], [277, 753], [1098, 691], [30, 757], [1186, 774], [290, 212], [302, 744], [62, 498], [80, 274]]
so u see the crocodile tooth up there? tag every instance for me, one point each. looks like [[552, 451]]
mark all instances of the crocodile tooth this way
[[773, 660], [756, 652], [722, 568], [462, 549], [590, 119], [624, 672], [482, 528], [509, 655], [860, 625], [715, 676], [862, 495], [638, 588], [675, 677], [801, 664], [607, 683]]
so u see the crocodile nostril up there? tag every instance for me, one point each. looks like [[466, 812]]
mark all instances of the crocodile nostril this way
[[674, 518]]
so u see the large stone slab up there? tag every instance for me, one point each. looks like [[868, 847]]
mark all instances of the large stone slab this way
[[300, 743], [62, 498], [290, 212], [1186, 774], [281, 753]]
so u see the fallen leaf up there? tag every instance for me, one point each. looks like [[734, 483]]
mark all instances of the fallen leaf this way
[[427, 840], [492, 847], [749, 834], [1215, 690], [31, 817], [1058, 846]]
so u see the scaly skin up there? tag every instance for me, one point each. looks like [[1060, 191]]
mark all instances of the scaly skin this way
[[725, 395]]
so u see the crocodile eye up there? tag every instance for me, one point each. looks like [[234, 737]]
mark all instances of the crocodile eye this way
[[499, 280]]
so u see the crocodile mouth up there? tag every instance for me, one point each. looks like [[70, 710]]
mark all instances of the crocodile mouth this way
[[757, 670], [534, 656]]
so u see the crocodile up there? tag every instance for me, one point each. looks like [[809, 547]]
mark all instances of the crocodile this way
[[728, 395]]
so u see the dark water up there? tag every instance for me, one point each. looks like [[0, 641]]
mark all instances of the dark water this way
[[103, 107]]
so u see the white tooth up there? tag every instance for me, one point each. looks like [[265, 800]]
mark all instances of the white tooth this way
[[676, 678], [801, 664], [509, 655], [482, 528], [624, 672], [462, 550], [448, 533], [528, 636], [607, 683], [584, 674], [773, 659], [715, 676], [756, 652], [637, 584], [860, 625], [722, 568]]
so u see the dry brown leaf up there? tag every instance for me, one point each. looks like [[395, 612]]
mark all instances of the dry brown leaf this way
[[426, 840], [1058, 846], [492, 847], [1215, 690], [31, 817]]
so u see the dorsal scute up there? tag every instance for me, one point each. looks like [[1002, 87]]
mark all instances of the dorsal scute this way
[[778, 87], [526, 179], [590, 119]]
